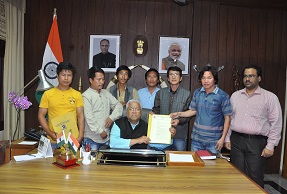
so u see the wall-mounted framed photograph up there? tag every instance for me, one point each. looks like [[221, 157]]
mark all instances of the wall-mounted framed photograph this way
[[105, 52], [173, 51]]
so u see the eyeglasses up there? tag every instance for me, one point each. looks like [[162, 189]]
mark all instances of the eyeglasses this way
[[250, 76], [135, 109], [174, 74]]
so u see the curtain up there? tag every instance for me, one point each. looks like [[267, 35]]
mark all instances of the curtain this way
[[13, 66]]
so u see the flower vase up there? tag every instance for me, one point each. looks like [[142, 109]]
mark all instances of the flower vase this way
[[17, 128]]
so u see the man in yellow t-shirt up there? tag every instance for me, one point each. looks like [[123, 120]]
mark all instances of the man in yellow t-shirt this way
[[61, 100]]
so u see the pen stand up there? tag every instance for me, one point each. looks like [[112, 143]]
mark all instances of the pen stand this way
[[86, 158]]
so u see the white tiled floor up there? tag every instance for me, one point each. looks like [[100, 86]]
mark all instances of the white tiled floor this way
[[277, 179]]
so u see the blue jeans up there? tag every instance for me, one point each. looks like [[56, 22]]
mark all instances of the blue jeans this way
[[94, 145], [197, 145], [179, 144]]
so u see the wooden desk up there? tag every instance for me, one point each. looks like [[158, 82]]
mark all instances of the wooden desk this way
[[40, 175], [18, 149]]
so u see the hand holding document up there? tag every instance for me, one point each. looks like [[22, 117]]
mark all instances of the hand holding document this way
[[158, 128]]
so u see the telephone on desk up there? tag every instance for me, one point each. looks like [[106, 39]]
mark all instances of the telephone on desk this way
[[33, 134]]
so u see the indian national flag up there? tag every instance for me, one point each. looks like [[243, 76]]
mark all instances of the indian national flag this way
[[73, 143], [53, 53], [61, 139]]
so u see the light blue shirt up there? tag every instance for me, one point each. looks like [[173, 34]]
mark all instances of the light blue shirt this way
[[115, 137], [146, 98]]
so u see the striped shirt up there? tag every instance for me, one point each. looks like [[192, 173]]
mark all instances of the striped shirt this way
[[210, 111], [256, 114]]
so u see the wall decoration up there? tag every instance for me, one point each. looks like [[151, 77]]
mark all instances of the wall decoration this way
[[173, 51], [105, 52], [140, 46]]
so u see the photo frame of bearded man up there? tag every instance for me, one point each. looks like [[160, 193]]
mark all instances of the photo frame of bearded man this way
[[173, 51], [105, 52]]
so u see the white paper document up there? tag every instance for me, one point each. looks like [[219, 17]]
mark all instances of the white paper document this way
[[28, 142], [181, 158], [27, 157], [158, 128]]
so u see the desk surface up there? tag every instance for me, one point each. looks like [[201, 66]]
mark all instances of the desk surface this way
[[40, 175]]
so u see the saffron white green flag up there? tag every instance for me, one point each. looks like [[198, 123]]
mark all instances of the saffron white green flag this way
[[53, 53], [73, 143], [61, 139]]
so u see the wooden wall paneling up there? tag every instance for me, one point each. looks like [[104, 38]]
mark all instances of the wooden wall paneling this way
[[254, 35], [204, 37], [136, 25], [74, 13], [82, 48], [195, 43], [151, 34], [224, 82], [246, 14], [238, 49], [272, 74], [222, 41], [141, 22], [213, 34], [267, 75], [262, 38], [278, 19]]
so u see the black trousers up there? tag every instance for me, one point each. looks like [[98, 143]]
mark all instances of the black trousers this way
[[245, 154]]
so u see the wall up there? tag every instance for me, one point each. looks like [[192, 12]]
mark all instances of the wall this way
[[220, 35]]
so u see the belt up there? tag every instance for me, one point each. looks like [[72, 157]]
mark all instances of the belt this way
[[248, 135]]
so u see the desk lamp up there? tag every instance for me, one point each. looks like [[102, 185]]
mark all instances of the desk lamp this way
[[42, 86]]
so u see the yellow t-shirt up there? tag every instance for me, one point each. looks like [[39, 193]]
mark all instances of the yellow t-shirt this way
[[61, 102]]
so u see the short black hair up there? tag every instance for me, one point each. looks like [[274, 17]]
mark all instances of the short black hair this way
[[91, 72], [104, 40], [66, 66], [212, 70], [174, 68], [124, 67], [253, 66]]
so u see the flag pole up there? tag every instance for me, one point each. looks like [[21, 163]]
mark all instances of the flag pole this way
[[55, 12]]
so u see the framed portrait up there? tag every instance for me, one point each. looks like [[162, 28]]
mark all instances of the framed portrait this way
[[105, 52], [173, 51]]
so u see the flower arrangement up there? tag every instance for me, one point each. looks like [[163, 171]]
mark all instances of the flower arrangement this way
[[20, 103]]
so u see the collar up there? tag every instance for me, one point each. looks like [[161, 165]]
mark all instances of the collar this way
[[96, 91], [134, 125], [214, 91], [173, 92], [257, 91]]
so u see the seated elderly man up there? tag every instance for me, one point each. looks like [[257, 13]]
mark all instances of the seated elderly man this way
[[130, 132]]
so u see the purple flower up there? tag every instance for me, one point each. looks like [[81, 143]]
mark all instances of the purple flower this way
[[20, 103], [11, 96]]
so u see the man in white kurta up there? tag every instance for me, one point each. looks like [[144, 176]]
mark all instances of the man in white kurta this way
[[101, 109]]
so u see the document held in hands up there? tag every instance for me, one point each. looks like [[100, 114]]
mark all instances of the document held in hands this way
[[66, 122], [158, 128]]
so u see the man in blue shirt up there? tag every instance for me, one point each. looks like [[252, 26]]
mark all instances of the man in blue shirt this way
[[130, 132], [147, 94], [212, 108]]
